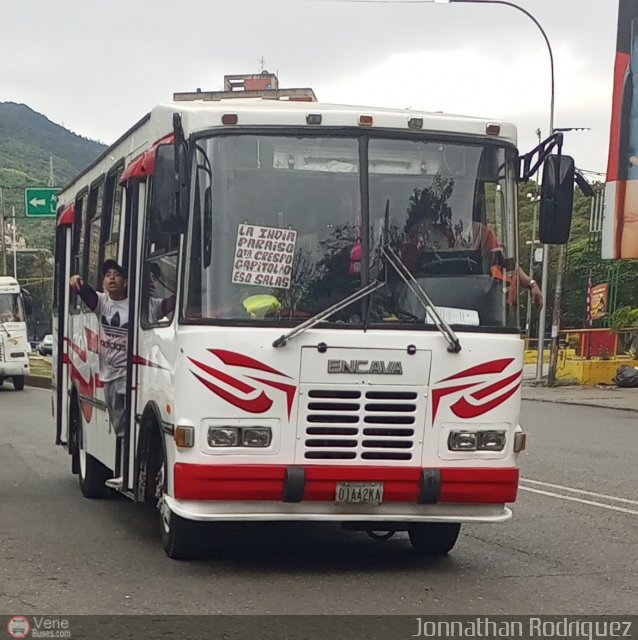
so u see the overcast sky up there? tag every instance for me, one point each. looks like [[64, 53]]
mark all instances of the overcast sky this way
[[97, 67]]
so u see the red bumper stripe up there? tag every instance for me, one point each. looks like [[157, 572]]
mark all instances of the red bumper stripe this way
[[266, 482]]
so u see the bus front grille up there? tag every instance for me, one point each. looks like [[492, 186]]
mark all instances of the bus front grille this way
[[352, 424]]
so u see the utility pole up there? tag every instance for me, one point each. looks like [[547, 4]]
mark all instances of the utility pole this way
[[558, 301], [15, 246], [3, 248]]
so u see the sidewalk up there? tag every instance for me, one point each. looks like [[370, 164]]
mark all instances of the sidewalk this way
[[607, 397]]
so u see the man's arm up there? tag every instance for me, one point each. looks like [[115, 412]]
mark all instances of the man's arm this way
[[532, 286], [85, 291], [168, 305]]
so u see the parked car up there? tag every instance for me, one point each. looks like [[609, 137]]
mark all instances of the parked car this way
[[46, 346]]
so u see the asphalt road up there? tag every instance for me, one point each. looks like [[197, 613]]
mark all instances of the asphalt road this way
[[571, 548]]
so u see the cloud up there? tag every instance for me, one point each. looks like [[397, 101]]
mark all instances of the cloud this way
[[98, 67]]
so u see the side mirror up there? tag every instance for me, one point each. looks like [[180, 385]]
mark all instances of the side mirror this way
[[28, 304], [169, 191], [557, 199]]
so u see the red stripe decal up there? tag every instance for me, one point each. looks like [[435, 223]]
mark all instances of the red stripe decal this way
[[463, 409], [260, 404], [92, 341], [239, 360], [437, 395], [81, 353], [137, 359], [494, 366], [497, 386], [224, 377], [288, 389]]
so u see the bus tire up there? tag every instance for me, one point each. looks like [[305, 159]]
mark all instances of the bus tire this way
[[92, 473], [180, 538], [18, 383], [433, 538]]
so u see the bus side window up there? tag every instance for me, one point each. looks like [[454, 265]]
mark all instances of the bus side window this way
[[112, 215], [77, 247], [159, 272], [95, 247]]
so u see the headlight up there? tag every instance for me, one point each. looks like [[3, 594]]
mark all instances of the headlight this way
[[239, 436], [476, 440], [491, 440], [462, 441], [223, 436], [256, 437]]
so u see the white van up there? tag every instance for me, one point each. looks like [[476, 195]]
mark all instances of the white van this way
[[14, 344]]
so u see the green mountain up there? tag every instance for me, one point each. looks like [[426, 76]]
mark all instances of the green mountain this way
[[29, 145], [29, 140]]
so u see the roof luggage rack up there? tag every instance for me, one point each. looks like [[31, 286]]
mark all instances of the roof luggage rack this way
[[258, 85]]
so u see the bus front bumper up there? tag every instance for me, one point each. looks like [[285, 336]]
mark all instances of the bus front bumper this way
[[280, 492]]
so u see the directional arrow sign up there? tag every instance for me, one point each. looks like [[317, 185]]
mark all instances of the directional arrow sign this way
[[41, 202]]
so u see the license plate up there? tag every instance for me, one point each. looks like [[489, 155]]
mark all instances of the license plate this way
[[359, 493]]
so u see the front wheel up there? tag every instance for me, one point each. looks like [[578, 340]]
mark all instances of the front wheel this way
[[433, 538], [181, 538], [18, 383]]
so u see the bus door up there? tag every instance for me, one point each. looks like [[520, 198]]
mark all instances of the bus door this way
[[152, 288], [61, 275], [135, 196]]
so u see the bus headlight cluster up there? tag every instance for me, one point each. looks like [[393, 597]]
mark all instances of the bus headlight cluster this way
[[239, 436], [476, 440]]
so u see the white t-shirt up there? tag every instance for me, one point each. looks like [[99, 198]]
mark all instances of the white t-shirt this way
[[113, 316]]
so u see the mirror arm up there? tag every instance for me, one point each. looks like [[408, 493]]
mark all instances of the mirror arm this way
[[526, 169], [178, 134], [583, 184]]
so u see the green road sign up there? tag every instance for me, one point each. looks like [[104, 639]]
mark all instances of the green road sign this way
[[41, 202]]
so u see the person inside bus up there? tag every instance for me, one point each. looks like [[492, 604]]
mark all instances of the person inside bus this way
[[160, 308], [430, 235], [8, 316], [111, 308]]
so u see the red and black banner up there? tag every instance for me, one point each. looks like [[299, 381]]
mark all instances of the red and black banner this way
[[622, 165]]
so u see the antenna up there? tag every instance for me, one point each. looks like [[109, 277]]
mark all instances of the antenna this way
[[261, 64]]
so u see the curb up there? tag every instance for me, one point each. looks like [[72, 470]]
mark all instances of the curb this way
[[37, 381], [582, 404]]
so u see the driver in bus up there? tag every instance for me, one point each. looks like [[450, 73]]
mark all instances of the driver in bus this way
[[431, 233]]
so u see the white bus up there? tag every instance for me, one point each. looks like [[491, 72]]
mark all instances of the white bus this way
[[14, 339], [341, 342]]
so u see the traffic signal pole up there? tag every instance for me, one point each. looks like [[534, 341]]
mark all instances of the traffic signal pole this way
[[558, 305]]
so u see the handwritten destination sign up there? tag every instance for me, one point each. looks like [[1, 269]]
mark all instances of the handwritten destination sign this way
[[264, 256]]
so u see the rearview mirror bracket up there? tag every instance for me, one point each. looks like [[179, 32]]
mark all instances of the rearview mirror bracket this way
[[529, 163]]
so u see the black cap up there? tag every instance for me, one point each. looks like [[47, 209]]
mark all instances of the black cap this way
[[112, 264]]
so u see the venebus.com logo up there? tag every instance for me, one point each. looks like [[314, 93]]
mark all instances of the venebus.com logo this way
[[20, 627]]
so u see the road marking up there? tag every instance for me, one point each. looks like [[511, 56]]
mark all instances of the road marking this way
[[604, 496], [589, 502]]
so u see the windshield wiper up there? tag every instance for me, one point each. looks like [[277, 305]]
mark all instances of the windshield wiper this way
[[322, 315], [454, 346]]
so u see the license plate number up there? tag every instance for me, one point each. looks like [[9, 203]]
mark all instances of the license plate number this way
[[359, 493]]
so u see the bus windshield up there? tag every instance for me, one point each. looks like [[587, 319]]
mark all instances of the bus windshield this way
[[283, 227], [11, 308]]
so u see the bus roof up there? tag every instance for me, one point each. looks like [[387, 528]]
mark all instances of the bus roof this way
[[7, 282]]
